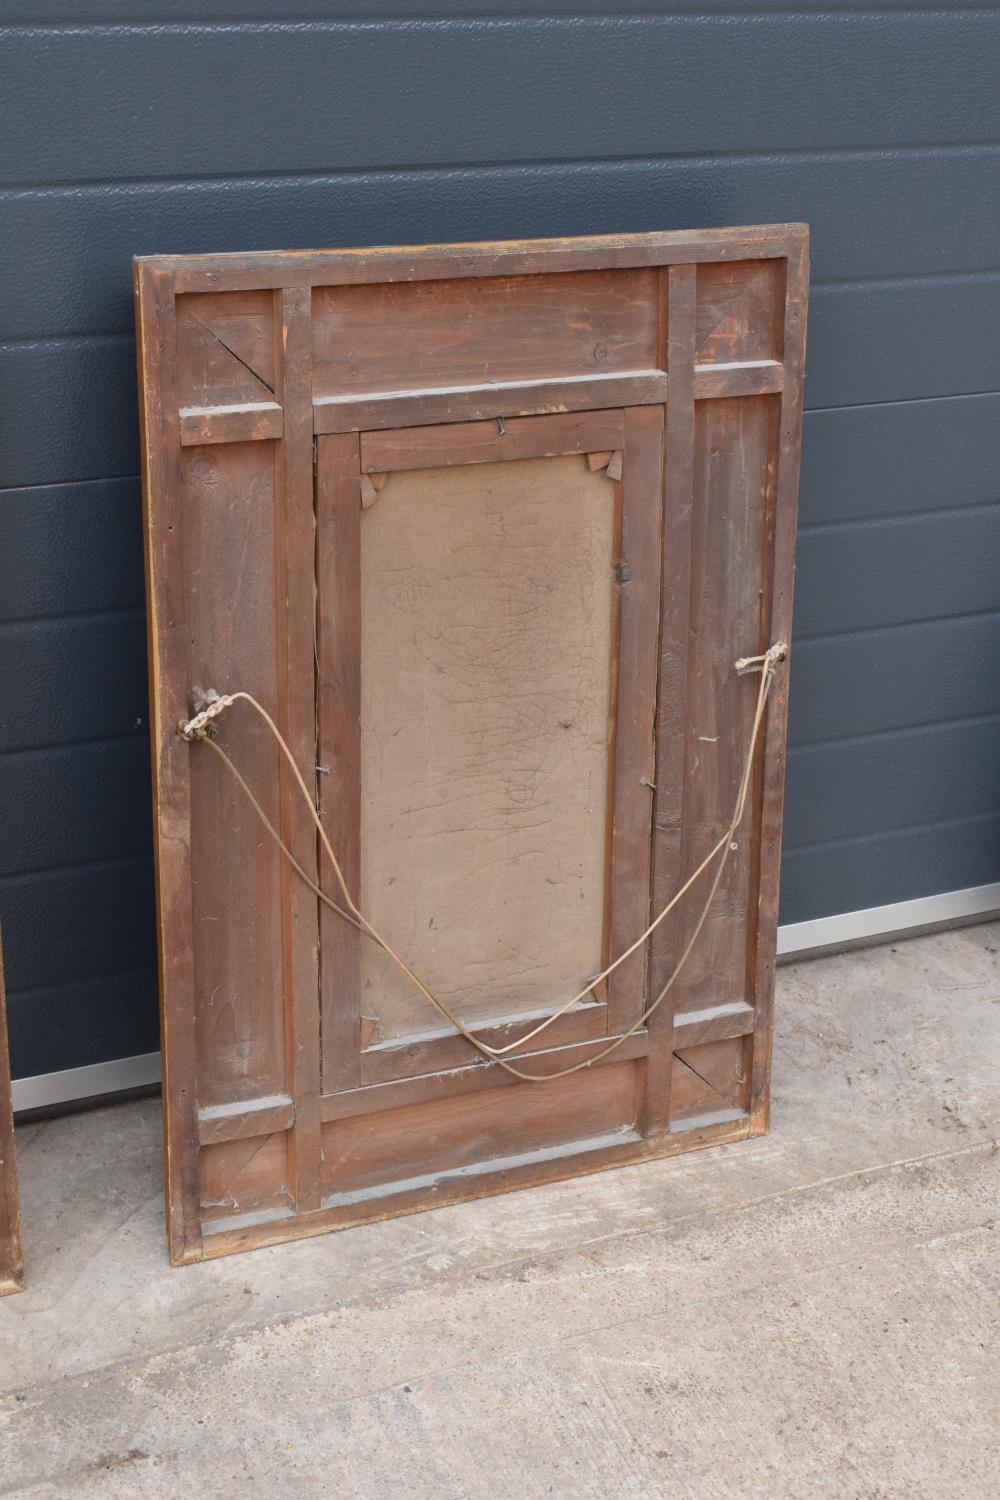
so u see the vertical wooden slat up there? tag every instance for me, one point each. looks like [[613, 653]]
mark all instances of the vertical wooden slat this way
[[671, 710], [781, 551], [168, 678], [11, 1253], [338, 521], [295, 543], [639, 588], [731, 500], [234, 604]]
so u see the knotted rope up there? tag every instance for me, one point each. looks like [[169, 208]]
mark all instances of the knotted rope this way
[[202, 728]]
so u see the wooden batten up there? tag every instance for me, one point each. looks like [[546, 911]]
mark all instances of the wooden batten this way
[[11, 1251], [483, 528]]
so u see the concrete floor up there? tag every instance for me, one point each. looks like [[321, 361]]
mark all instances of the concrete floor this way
[[814, 1314]]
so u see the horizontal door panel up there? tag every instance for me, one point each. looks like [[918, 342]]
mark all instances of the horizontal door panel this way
[[81, 678], [74, 804], [884, 782], [71, 549], [906, 570], [456, 102], [63, 927], [877, 680], [903, 341], [887, 867], [900, 458]]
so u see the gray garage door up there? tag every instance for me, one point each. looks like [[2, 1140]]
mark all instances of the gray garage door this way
[[128, 128]]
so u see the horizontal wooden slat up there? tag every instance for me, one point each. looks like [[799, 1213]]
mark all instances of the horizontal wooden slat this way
[[688, 1128], [250, 422], [715, 1024], [244, 1119], [478, 1075], [754, 378], [427, 1142], [385, 409], [429, 1051], [381, 409], [479, 330], [490, 442], [486, 258]]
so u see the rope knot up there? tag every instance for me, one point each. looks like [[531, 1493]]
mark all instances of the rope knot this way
[[210, 705], [767, 663]]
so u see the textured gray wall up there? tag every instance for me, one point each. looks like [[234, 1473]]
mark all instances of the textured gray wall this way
[[134, 126]]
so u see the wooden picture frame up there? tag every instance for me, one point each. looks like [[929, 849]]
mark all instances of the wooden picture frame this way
[[607, 430], [11, 1248]]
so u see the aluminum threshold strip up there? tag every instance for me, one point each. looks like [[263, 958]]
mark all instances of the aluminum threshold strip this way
[[851, 929], [879, 924]]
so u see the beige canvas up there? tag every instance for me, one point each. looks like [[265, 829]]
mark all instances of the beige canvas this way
[[486, 644]]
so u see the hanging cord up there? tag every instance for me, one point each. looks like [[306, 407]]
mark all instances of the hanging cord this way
[[202, 728]]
